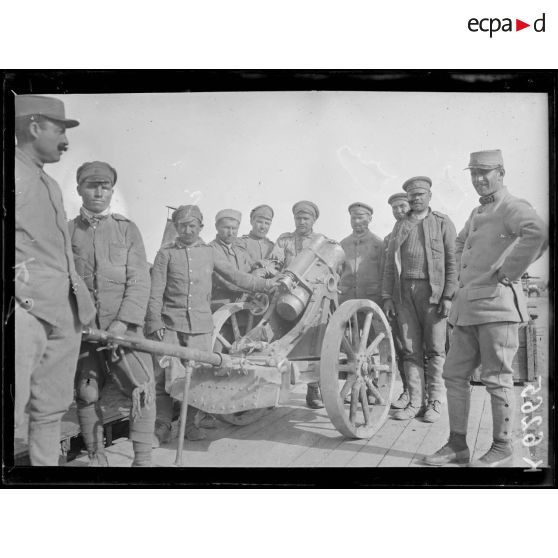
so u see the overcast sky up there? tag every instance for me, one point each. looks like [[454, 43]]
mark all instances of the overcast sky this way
[[238, 150]]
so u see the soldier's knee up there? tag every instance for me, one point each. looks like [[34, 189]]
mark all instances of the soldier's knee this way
[[87, 392]]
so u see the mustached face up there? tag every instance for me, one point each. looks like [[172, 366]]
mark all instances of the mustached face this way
[[260, 226], [227, 229], [400, 208], [487, 182], [360, 221], [96, 194], [188, 230], [419, 199], [304, 222], [50, 140]]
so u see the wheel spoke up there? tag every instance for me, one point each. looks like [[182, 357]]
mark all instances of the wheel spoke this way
[[250, 324], [374, 345], [365, 332], [364, 403], [375, 391], [346, 388], [356, 338], [346, 344], [354, 402], [224, 341], [235, 327]]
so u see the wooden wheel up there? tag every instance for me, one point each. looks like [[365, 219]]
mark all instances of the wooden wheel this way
[[231, 323], [357, 364]]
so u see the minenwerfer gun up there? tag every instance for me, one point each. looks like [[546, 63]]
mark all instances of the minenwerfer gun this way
[[262, 347]]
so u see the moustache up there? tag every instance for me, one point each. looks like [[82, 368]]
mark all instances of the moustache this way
[[62, 147]]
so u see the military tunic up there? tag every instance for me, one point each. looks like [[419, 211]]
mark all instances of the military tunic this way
[[289, 245], [361, 272], [258, 248]]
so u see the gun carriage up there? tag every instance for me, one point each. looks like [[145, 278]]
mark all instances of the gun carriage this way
[[263, 346]]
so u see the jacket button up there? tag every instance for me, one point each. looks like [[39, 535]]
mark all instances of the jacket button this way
[[469, 246], [464, 266], [480, 210]]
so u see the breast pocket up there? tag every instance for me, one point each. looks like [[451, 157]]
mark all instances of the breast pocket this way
[[437, 247], [118, 253]]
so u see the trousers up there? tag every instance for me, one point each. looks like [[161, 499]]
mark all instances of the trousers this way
[[493, 346], [93, 370], [45, 363], [173, 369], [422, 333]]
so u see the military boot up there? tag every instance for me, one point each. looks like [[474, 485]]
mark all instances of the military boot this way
[[432, 412], [408, 413], [501, 451], [313, 396], [402, 401], [454, 451], [142, 454]]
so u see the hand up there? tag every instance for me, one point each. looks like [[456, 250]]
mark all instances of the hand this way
[[444, 308], [503, 279], [159, 334], [271, 285], [389, 308], [117, 328]]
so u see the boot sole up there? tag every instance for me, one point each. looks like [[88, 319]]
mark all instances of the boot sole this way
[[460, 461]]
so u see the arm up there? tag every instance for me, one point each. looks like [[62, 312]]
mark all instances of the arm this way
[[134, 303], [388, 275], [522, 221], [460, 243], [154, 320], [450, 275], [243, 280]]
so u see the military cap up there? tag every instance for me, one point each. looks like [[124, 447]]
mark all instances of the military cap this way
[[398, 196], [230, 213], [306, 207], [47, 107], [362, 206], [96, 170], [186, 213], [262, 211], [490, 159], [417, 182]]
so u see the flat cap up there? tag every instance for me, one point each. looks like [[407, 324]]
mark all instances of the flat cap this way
[[490, 159], [305, 206], [396, 197], [230, 213], [47, 107], [262, 211], [96, 170], [362, 206], [187, 213], [416, 183]]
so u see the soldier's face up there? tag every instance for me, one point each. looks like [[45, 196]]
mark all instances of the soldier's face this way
[[227, 229], [304, 222], [95, 194], [419, 200], [360, 221], [188, 230], [50, 140], [399, 209], [260, 226], [487, 181]]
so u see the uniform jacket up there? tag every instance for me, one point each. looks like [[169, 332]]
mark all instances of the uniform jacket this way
[[361, 272], [181, 287], [439, 240], [504, 235], [289, 245], [237, 255], [258, 248], [110, 257], [45, 274]]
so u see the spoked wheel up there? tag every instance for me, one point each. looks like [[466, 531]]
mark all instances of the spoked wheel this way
[[357, 368], [231, 323]]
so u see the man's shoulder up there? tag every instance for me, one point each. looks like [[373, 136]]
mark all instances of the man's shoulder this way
[[348, 240], [120, 217], [515, 202], [375, 238], [286, 236], [441, 216]]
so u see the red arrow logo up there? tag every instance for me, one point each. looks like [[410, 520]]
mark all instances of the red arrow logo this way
[[519, 25]]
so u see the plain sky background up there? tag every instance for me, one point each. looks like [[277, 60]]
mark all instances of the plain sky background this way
[[237, 150]]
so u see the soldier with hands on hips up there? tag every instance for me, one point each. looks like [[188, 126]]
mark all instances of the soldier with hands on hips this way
[[501, 239]]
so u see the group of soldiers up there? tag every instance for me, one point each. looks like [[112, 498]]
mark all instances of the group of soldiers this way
[[93, 271]]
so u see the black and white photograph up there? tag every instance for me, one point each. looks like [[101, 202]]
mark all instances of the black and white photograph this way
[[326, 273]]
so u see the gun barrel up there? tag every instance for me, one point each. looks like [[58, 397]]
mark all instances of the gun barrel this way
[[94, 335]]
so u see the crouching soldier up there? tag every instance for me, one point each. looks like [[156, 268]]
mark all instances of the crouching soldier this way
[[179, 305], [110, 257]]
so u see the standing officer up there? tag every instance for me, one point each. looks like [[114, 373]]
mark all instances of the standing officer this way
[[227, 246], [179, 304], [501, 238], [52, 303], [361, 273], [110, 256], [257, 244], [287, 247], [418, 284], [399, 207]]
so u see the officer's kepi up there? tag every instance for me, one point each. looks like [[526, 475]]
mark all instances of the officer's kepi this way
[[47, 107]]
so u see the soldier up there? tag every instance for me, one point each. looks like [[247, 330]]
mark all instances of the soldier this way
[[361, 273], [227, 246], [399, 207], [258, 245], [499, 241], [418, 284], [52, 303], [179, 304], [110, 257], [287, 247]]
